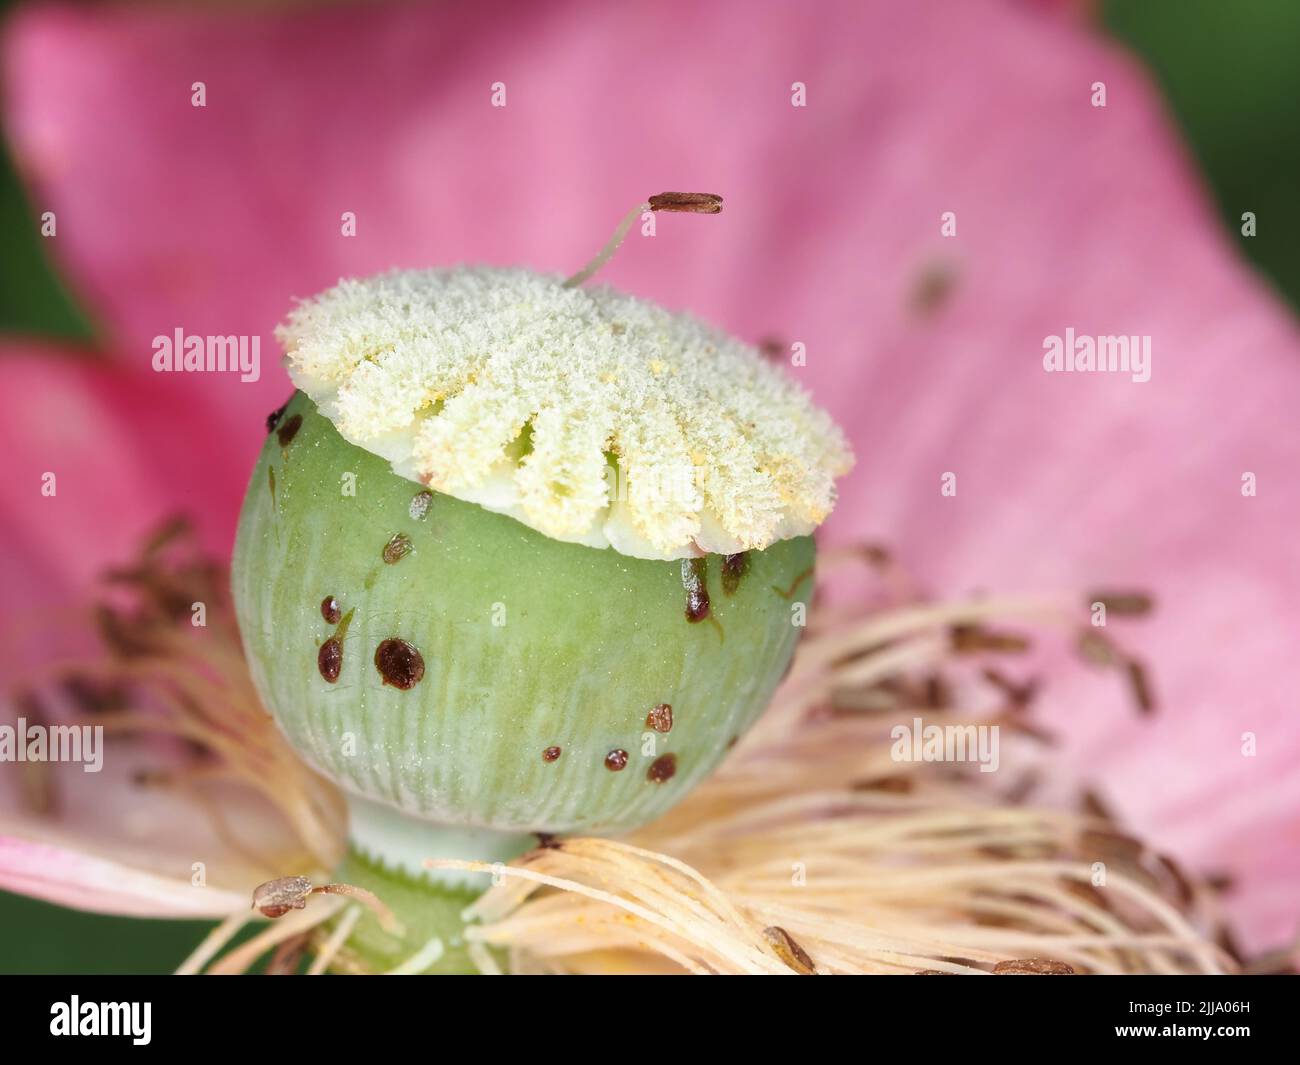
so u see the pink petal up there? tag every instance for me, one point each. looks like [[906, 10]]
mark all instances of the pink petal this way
[[114, 844], [127, 450], [70, 877], [1068, 215]]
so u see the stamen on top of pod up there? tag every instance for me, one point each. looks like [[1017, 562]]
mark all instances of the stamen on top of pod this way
[[588, 415], [680, 202], [275, 898]]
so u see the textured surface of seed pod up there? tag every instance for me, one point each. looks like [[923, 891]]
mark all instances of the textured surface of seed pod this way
[[498, 643]]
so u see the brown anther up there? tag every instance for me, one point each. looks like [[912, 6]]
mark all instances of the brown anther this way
[[1220, 883], [687, 202], [789, 951], [1096, 649], [895, 785], [1111, 845], [1224, 938], [1126, 604], [971, 638], [551, 754], [690, 202], [93, 695], [123, 637], [660, 718], [1141, 686], [876, 555], [1016, 722], [1080, 889], [1032, 967], [177, 527], [1092, 804], [1019, 696], [938, 696], [275, 898], [1182, 885], [616, 760], [933, 288]]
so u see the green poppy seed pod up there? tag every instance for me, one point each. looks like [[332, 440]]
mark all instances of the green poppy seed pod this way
[[523, 558]]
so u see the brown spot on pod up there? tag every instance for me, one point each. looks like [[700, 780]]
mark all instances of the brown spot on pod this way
[[400, 664], [616, 760], [330, 610], [289, 430], [662, 769], [660, 718], [397, 548], [695, 572], [329, 660], [788, 593], [273, 419], [419, 507], [551, 754], [734, 568]]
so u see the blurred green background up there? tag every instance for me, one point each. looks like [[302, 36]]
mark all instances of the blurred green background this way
[[1231, 79]]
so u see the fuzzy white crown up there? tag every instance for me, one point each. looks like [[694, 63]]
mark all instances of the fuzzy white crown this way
[[587, 414]]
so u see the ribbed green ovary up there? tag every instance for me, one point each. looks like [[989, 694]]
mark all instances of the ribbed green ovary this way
[[527, 644]]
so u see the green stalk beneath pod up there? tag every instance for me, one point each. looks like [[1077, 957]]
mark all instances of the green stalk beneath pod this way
[[386, 854]]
